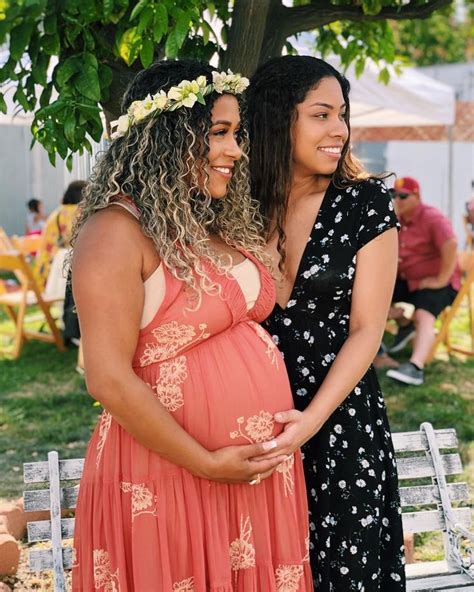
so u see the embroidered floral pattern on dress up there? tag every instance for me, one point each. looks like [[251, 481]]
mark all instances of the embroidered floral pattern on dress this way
[[271, 351], [143, 500], [104, 427], [74, 562], [242, 551], [167, 387], [306, 544], [104, 579], [259, 428], [288, 577], [169, 339], [286, 470], [184, 586]]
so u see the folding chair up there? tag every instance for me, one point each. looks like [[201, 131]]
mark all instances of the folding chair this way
[[16, 303], [28, 244], [465, 294]]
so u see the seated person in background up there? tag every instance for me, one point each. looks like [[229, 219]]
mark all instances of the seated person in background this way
[[428, 275], [57, 230], [35, 218]]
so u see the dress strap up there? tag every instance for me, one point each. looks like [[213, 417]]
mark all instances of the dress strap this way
[[127, 203]]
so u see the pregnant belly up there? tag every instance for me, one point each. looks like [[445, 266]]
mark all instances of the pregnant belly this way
[[225, 391]]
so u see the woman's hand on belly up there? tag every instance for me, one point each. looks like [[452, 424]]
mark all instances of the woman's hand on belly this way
[[299, 428], [237, 464]]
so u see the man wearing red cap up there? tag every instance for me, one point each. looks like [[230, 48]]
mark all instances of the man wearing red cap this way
[[428, 274]]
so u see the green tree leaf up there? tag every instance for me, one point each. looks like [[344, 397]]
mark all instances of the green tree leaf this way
[[3, 105], [146, 18], [19, 38], [87, 83], [182, 27], [51, 44], [129, 45], [70, 126], [171, 47], [20, 97], [146, 52], [65, 71], [160, 23], [138, 8]]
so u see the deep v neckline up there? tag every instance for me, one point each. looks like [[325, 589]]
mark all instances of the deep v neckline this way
[[305, 250]]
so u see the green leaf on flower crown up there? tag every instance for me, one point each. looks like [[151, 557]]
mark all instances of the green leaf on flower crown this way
[[200, 98]]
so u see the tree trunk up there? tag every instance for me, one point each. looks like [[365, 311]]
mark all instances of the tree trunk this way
[[249, 20]]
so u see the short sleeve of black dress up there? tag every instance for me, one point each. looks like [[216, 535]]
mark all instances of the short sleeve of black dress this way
[[377, 212]]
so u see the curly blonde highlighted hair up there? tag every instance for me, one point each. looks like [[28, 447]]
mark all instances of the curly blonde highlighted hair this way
[[160, 164]]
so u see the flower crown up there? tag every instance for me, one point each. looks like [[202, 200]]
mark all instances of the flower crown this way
[[183, 95]]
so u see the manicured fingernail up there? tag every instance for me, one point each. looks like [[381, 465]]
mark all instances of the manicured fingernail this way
[[278, 416], [269, 445]]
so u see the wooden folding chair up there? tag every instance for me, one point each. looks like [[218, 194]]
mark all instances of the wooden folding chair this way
[[465, 294], [16, 303]]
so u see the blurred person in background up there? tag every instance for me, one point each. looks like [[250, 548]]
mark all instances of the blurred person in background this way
[[57, 231], [428, 275], [35, 218]]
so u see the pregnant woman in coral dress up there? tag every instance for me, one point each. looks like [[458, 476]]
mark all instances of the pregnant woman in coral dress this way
[[170, 284]]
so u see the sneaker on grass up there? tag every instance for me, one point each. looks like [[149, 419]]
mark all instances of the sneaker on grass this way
[[408, 374], [402, 338]]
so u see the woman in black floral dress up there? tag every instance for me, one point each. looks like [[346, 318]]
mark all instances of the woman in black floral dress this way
[[332, 232]]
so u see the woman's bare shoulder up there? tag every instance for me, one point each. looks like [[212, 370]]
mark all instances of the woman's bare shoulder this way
[[107, 236]]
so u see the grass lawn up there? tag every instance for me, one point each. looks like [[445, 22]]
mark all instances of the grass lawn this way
[[44, 406]]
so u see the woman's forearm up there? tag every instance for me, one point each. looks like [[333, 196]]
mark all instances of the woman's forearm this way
[[349, 367], [134, 406]]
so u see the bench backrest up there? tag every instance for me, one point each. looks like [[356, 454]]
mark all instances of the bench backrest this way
[[54, 498], [416, 465]]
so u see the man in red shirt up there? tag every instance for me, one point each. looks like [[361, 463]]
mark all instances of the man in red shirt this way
[[428, 274]]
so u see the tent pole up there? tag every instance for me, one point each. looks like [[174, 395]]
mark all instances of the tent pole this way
[[451, 172]]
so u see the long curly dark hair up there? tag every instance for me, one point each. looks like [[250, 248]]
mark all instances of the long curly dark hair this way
[[275, 90], [160, 163]]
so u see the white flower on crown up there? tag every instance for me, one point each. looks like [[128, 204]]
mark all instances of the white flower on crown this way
[[122, 124], [229, 82], [160, 100], [185, 94]]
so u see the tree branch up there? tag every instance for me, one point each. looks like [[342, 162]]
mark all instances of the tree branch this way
[[311, 16]]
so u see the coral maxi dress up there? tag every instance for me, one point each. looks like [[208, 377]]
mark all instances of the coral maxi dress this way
[[144, 524]]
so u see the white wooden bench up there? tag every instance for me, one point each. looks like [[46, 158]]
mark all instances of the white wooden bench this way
[[418, 457], [427, 507]]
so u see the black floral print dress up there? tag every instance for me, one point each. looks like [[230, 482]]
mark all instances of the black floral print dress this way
[[356, 541]]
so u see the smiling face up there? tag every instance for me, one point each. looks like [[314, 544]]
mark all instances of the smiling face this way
[[224, 149], [320, 132]]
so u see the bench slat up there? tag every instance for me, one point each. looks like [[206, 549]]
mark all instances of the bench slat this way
[[38, 472], [453, 582], [417, 467], [417, 441], [41, 530], [428, 521], [42, 559], [428, 494], [39, 499]]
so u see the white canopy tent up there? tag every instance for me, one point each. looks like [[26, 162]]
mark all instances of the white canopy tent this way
[[410, 99]]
